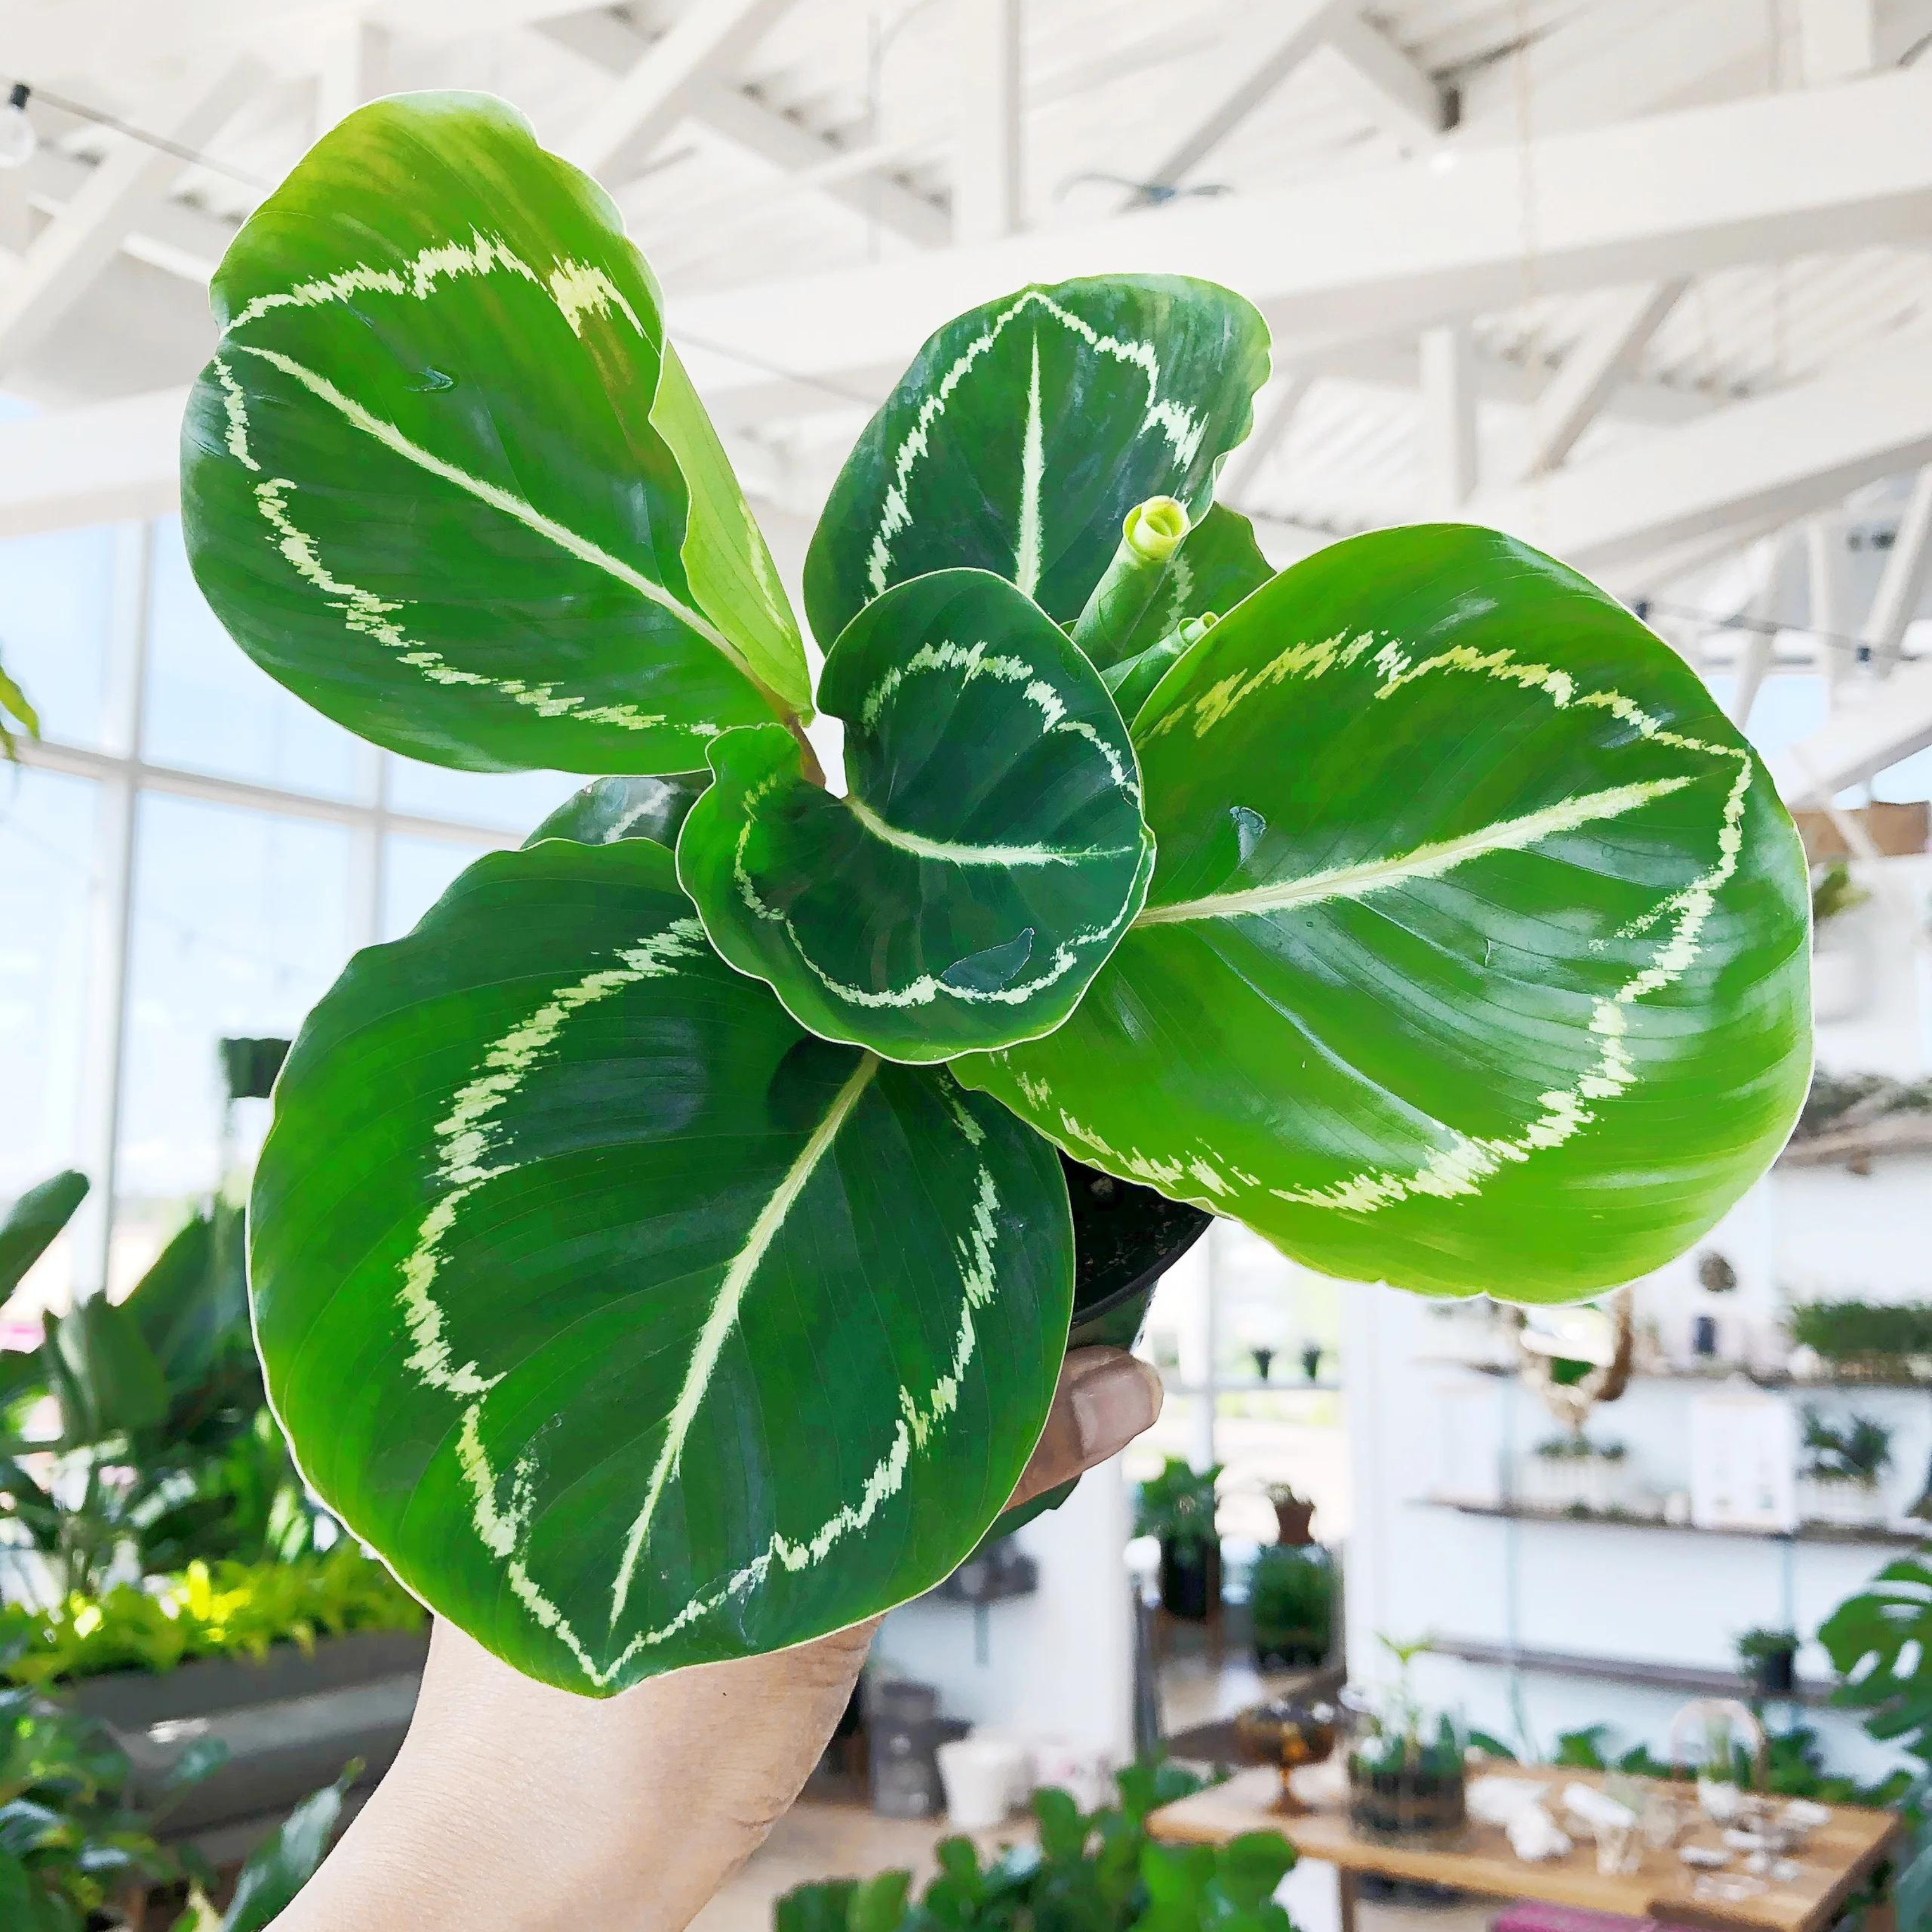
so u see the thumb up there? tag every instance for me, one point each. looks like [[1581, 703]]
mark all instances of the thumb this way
[[1106, 1397]]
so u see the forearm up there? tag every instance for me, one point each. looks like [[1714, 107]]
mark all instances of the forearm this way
[[515, 1805]]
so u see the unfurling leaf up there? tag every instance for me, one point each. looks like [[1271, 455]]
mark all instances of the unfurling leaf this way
[[444, 478], [1475, 958], [602, 1238], [1026, 430], [991, 850]]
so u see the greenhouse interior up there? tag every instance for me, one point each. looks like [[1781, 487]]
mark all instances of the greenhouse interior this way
[[966, 966]]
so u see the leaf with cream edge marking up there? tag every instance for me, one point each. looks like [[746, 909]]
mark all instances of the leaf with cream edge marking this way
[[1476, 956], [445, 479], [602, 1237], [1026, 430], [625, 807], [988, 858]]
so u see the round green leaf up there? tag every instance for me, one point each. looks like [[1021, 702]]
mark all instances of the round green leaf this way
[[567, 1242], [444, 478], [1476, 955], [989, 856], [1025, 432], [625, 808]]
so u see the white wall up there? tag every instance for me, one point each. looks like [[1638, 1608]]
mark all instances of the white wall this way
[[1634, 1592], [1057, 1664]]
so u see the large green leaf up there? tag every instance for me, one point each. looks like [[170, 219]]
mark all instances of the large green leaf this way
[[1475, 958], [990, 853], [1025, 432], [443, 477], [1880, 1643], [567, 1240], [35, 1222]]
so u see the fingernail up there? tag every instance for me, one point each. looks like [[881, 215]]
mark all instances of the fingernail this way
[[1112, 1405]]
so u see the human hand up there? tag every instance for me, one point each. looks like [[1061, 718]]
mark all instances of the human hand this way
[[513, 1804]]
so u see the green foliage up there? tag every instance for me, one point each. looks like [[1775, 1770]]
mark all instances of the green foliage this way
[[1398, 1734], [1291, 1600], [69, 1840], [1089, 1872], [1851, 1331], [1833, 891], [1857, 1450], [210, 1610], [1578, 1447], [33, 1223], [1795, 1766], [1177, 1505], [1471, 918], [17, 715], [278, 1867]]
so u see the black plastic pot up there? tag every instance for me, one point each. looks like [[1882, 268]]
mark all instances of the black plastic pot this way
[[1290, 1650], [1190, 1579], [1775, 1673], [1411, 1802]]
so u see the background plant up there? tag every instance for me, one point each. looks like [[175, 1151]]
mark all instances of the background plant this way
[[1858, 1450], [1088, 1872], [1847, 1330], [1177, 1505], [1291, 1603]]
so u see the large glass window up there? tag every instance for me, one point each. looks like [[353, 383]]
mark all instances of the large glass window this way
[[56, 608]]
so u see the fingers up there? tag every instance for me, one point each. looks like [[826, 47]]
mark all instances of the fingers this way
[[1105, 1399]]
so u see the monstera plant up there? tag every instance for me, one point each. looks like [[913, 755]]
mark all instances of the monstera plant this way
[[661, 1254]]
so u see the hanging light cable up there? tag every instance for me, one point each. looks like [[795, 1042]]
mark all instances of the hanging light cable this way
[[18, 140]]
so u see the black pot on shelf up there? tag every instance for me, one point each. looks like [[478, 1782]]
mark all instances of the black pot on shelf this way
[[1190, 1579], [1774, 1673]]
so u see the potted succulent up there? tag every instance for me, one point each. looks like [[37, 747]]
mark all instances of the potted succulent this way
[[1574, 1473], [1177, 1506], [1843, 1464], [1396, 905], [1769, 1658], [1291, 1603]]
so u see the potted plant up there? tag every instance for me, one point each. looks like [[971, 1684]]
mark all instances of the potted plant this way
[[1867, 1340], [1573, 1473], [1405, 1768], [1769, 1658], [1177, 1506], [713, 1142], [1294, 1513], [1291, 1603], [1843, 1464], [1311, 1360]]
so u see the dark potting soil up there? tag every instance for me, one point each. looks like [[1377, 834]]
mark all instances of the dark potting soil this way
[[1120, 1229]]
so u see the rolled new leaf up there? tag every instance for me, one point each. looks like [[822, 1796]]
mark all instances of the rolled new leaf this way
[[633, 1326], [445, 479], [1026, 430], [1476, 955], [989, 856], [1149, 538]]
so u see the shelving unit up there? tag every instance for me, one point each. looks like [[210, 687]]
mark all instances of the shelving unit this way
[[1717, 1376], [1882, 1536], [1675, 1677]]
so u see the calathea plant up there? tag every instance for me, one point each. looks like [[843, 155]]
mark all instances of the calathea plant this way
[[660, 1254]]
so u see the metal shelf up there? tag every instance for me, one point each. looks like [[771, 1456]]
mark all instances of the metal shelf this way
[[1713, 1377], [1682, 1679]]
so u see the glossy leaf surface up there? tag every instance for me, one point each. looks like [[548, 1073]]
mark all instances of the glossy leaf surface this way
[[1476, 956], [625, 807], [1026, 430], [633, 1326], [35, 1222], [989, 854], [444, 479]]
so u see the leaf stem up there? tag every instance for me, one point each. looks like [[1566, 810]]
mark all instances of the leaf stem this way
[[807, 757]]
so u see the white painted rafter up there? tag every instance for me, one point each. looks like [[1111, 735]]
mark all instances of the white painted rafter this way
[[1838, 39], [1279, 404], [1907, 568], [1780, 456], [1396, 92], [1868, 730], [1403, 248], [1448, 419], [989, 143], [1594, 370], [66, 256], [706, 42]]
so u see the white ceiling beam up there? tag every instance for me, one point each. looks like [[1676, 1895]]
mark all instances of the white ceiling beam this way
[[606, 42], [706, 42], [1398, 94], [1870, 728], [1281, 402], [1837, 40], [1392, 249], [1782, 455], [1895, 603], [1262, 50], [989, 144], [1754, 655], [1595, 369], [66, 256], [353, 69], [186, 241], [1449, 452], [1824, 594]]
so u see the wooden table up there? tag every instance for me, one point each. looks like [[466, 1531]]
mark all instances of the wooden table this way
[[1835, 1857]]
